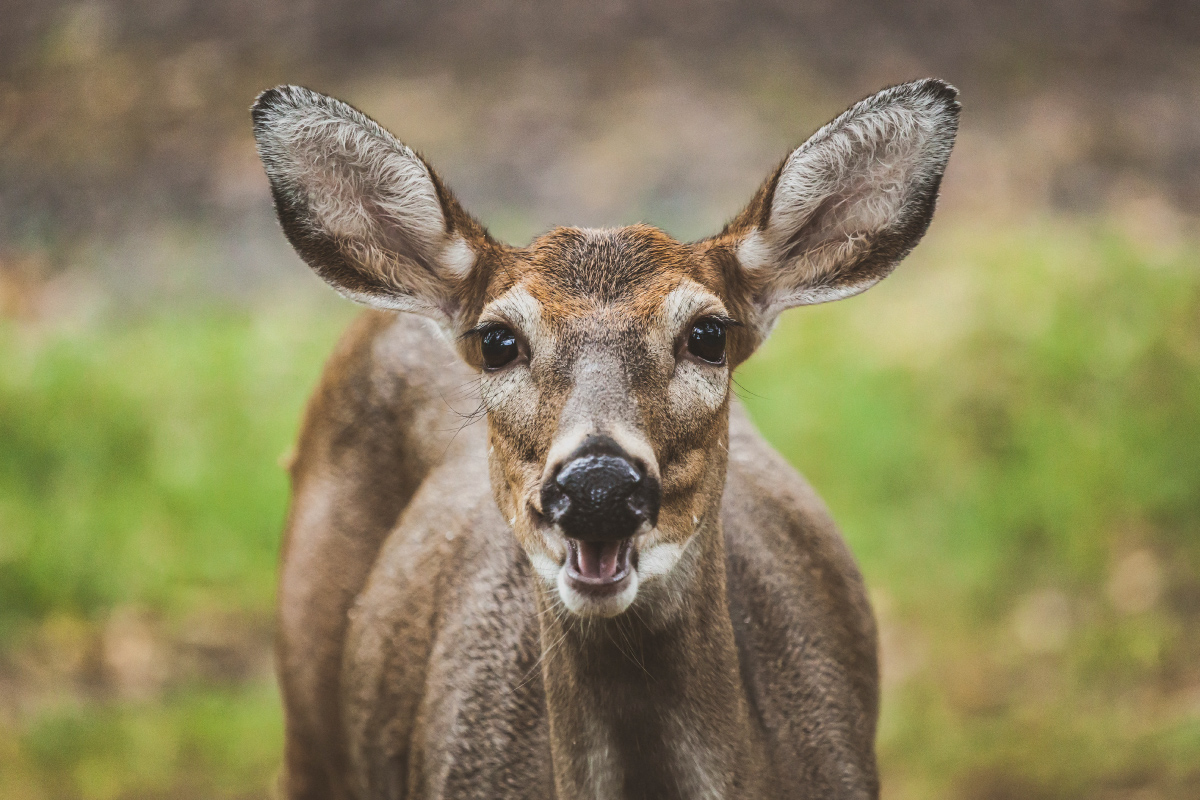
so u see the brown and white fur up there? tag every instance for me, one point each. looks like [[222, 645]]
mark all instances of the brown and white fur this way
[[432, 642]]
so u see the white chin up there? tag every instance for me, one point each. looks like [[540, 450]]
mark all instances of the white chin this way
[[589, 604]]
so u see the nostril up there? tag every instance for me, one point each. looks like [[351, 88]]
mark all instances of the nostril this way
[[644, 501], [555, 501]]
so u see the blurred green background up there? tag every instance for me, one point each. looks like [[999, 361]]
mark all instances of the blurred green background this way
[[1008, 429]]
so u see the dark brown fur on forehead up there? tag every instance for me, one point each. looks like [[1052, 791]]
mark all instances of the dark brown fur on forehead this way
[[573, 270]]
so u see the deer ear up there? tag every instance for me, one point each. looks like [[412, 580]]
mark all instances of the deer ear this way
[[361, 208], [847, 205]]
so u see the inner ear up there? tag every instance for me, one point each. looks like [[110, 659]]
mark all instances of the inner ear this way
[[846, 206], [823, 226], [363, 209]]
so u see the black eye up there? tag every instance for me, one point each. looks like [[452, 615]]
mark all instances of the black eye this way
[[499, 347], [707, 341]]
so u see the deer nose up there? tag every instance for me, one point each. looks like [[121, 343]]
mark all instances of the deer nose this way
[[600, 493]]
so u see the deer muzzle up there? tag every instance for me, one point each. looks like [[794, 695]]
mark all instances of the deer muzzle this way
[[600, 498]]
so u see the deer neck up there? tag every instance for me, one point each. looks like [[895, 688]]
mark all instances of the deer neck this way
[[651, 704]]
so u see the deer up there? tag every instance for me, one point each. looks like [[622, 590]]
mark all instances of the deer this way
[[614, 588]]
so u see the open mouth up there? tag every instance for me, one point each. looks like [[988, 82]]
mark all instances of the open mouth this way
[[599, 568]]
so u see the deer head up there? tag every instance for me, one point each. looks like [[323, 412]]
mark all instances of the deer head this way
[[605, 356]]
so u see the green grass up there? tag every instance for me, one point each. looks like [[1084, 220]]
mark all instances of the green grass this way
[[1008, 431], [139, 463], [202, 743]]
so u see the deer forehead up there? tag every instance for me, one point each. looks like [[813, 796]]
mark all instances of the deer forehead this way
[[628, 276], [581, 267]]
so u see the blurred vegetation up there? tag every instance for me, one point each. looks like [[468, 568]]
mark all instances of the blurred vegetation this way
[[139, 460], [140, 508], [1007, 431]]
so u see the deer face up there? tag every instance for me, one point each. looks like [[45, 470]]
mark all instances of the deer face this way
[[605, 356], [605, 361]]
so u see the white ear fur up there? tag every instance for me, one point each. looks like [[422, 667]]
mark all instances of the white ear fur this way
[[358, 205], [852, 201]]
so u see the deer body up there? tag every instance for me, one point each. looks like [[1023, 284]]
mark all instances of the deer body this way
[[616, 589]]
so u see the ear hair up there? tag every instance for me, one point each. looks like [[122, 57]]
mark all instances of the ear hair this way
[[846, 206], [360, 207]]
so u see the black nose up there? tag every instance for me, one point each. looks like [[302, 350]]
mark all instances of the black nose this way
[[600, 493]]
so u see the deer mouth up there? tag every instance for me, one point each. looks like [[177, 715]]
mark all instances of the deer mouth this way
[[599, 567]]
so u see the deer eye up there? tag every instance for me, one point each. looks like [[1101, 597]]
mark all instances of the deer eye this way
[[707, 340], [499, 347]]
